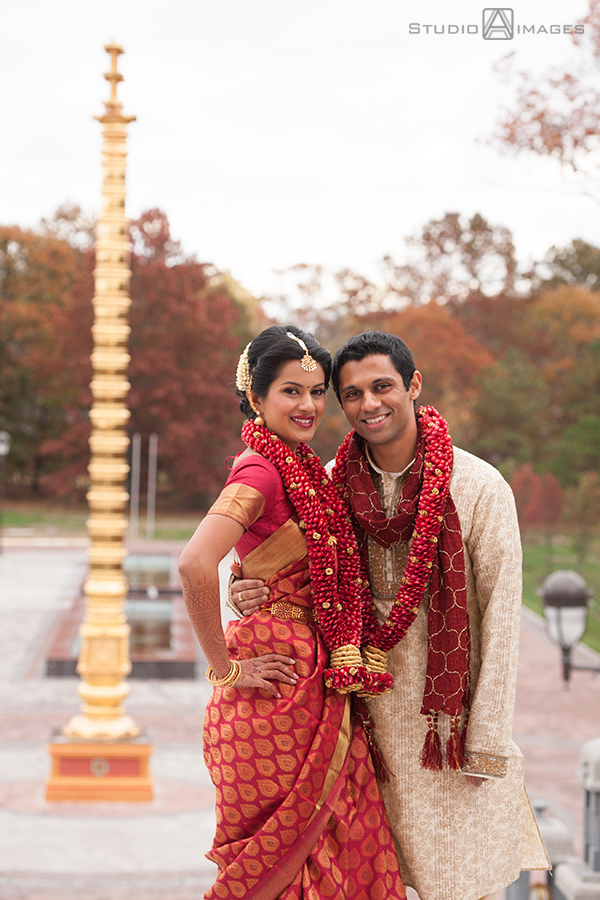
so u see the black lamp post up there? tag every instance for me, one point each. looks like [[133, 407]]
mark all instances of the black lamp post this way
[[4, 448], [566, 596]]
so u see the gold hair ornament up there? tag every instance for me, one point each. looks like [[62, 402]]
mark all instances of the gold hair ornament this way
[[307, 362], [242, 373]]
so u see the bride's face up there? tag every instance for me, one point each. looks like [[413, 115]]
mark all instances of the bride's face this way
[[295, 403]]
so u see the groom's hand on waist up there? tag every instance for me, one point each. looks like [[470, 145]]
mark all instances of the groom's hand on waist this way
[[247, 593]]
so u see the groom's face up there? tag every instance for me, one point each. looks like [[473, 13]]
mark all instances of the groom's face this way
[[375, 401]]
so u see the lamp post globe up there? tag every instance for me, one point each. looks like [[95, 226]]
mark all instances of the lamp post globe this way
[[566, 597], [4, 443], [4, 448]]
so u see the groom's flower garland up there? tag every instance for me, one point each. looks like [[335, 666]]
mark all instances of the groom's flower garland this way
[[430, 515], [339, 589]]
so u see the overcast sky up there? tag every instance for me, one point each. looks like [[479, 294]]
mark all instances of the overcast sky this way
[[273, 132]]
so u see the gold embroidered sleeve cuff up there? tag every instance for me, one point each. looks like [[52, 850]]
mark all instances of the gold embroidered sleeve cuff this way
[[484, 765], [240, 502]]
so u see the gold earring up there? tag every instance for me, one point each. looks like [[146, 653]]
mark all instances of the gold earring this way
[[259, 419]]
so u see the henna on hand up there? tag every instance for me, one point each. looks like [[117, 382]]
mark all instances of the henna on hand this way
[[202, 601], [259, 671]]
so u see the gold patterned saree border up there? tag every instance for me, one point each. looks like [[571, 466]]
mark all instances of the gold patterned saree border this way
[[279, 550], [339, 755]]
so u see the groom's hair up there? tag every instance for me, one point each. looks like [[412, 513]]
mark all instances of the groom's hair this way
[[372, 343]]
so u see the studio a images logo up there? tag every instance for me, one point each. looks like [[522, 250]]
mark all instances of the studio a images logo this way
[[498, 24]]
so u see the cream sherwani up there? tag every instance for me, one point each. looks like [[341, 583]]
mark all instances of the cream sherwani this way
[[455, 841]]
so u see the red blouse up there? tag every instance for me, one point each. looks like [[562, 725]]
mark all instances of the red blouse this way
[[262, 509]]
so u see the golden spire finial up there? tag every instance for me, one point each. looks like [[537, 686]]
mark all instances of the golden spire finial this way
[[113, 76], [114, 106]]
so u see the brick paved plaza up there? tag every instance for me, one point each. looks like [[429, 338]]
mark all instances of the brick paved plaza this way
[[67, 851]]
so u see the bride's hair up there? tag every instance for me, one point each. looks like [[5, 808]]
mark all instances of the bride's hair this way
[[270, 351]]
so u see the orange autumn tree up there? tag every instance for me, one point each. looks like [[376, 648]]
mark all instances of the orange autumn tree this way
[[45, 319], [187, 331], [539, 498], [187, 334], [540, 501], [449, 358]]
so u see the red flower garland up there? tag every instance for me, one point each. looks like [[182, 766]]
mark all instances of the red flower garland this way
[[338, 584], [432, 499], [427, 518]]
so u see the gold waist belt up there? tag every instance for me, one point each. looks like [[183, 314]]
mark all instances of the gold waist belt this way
[[283, 609]]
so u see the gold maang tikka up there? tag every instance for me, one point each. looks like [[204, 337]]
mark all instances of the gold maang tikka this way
[[307, 362]]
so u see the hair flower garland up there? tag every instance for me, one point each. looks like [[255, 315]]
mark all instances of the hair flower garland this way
[[339, 588]]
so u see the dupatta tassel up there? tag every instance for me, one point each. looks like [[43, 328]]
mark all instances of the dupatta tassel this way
[[454, 747], [431, 754], [382, 772]]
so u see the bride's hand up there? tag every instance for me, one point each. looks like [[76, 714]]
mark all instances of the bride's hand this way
[[260, 671]]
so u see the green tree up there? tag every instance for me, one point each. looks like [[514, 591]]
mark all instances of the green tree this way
[[576, 264], [509, 411], [582, 512], [579, 450]]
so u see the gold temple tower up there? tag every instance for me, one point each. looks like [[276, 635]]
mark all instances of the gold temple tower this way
[[100, 755]]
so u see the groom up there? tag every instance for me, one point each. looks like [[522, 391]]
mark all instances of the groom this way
[[462, 821]]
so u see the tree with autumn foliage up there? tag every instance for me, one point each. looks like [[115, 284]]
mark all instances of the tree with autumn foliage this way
[[539, 500], [505, 358], [446, 261], [545, 377], [449, 358], [188, 327], [187, 332], [582, 512], [451, 258], [45, 319], [557, 114]]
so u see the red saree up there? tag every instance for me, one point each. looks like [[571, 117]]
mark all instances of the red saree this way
[[299, 812]]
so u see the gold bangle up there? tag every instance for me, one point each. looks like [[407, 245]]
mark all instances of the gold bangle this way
[[232, 677]]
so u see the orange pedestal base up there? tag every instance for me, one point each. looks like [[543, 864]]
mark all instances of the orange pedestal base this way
[[101, 771]]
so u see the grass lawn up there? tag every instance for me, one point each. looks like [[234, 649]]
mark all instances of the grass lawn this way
[[38, 518], [537, 565], [44, 520]]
